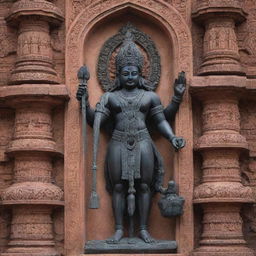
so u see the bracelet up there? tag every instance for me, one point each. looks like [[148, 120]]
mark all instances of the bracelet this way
[[176, 99]]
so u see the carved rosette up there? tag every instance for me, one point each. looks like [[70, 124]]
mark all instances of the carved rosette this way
[[34, 63], [32, 194], [221, 193], [221, 54]]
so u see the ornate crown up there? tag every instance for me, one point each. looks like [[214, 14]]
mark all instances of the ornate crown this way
[[129, 54]]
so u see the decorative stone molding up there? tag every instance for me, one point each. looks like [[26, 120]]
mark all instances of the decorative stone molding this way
[[32, 147], [222, 192], [34, 54], [43, 8], [31, 231], [222, 232], [221, 54], [222, 139], [32, 191]]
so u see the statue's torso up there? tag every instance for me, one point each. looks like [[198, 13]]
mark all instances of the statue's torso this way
[[129, 112]]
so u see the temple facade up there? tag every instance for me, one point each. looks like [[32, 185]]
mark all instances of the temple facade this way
[[45, 173]]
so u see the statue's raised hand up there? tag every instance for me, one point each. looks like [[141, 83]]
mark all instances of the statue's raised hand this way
[[180, 85], [178, 142]]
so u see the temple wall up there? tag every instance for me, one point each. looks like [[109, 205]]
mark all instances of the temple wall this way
[[45, 178]]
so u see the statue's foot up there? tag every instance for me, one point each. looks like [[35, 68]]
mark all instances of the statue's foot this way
[[145, 236], [116, 237]]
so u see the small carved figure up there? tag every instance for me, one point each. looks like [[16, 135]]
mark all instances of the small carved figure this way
[[133, 166], [170, 204]]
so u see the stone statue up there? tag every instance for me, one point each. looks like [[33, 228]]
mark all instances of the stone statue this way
[[133, 167]]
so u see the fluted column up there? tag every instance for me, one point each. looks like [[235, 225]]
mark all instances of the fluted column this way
[[221, 193], [34, 63], [219, 18]]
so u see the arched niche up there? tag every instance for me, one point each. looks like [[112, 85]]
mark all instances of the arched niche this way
[[93, 26]]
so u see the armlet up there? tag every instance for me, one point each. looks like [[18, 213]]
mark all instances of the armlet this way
[[156, 110], [100, 106], [102, 109]]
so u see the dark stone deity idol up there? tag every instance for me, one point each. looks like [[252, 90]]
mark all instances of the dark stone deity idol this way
[[133, 167]]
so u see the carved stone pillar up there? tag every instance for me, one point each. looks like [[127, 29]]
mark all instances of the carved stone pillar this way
[[221, 54], [34, 62], [221, 192], [32, 194]]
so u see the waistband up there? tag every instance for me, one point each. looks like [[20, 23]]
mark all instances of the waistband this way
[[124, 136]]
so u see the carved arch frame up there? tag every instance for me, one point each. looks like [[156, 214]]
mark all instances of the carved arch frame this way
[[74, 175]]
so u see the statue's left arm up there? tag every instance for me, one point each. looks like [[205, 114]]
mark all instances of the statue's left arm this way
[[162, 125], [179, 89]]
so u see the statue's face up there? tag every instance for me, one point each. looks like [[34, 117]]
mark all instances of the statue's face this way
[[129, 77]]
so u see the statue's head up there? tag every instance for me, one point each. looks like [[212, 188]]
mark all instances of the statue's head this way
[[129, 77], [129, 64]]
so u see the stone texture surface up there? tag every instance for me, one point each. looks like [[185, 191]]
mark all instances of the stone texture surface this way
[[43, 184]]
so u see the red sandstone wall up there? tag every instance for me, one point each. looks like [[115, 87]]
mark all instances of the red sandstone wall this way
[[228, 65]]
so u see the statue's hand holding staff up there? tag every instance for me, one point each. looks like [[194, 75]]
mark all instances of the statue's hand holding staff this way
[[83, 77], [82, 91]]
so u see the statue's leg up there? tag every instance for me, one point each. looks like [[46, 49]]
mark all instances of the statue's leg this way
[[118, 196], [143, 189]]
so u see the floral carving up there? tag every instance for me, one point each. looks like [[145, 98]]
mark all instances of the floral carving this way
[[32, 191], [219, 191]]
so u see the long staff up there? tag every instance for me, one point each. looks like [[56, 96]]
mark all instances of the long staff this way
[[83, 76]]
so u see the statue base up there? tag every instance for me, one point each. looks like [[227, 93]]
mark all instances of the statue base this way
[[130, 245]]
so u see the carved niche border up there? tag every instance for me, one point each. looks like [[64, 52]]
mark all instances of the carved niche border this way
[[180, 34], [114, 42]]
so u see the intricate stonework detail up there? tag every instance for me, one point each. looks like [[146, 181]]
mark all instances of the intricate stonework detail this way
[[220, 42], [248, 125], [33, 128], [222, 232], [44, 8], [32, 169], [6, 125], [202, 4], [7, 44], [221, 192], [32, 147], [247, 39], [32, 191], [221, 165], [34, 62], [31, 232]]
